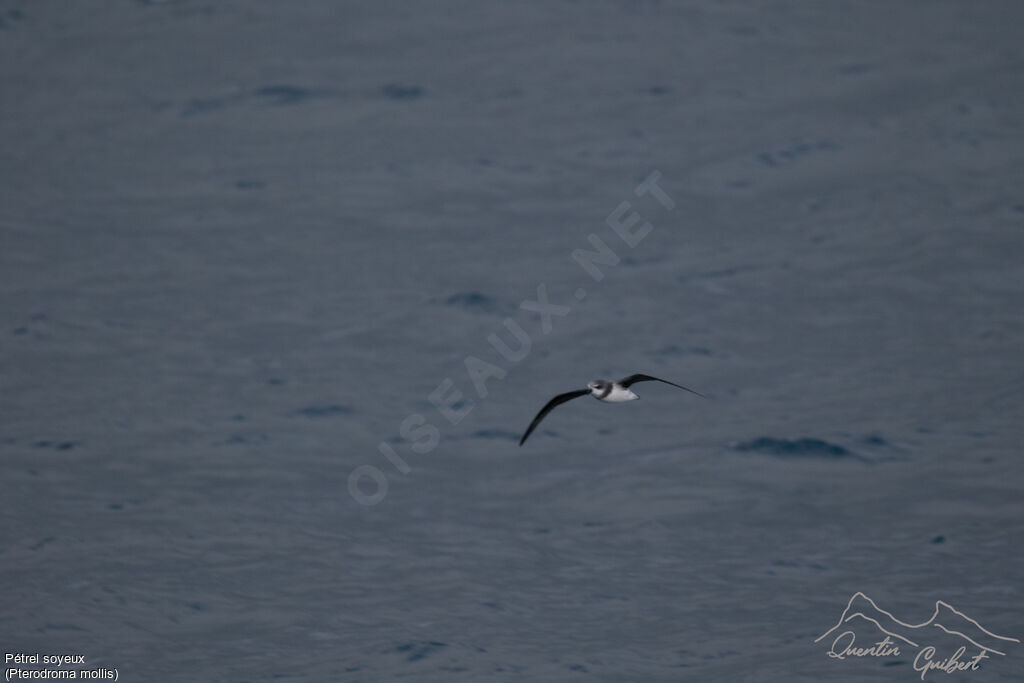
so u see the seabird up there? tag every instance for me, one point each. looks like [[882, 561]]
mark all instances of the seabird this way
[[602, 390]]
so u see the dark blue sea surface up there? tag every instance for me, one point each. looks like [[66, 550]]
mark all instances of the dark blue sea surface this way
[[284, 283]]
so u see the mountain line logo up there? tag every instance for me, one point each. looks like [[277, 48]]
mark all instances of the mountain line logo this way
[[935, 640]]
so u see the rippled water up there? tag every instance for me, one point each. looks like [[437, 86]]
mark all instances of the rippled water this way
[[246, 247]]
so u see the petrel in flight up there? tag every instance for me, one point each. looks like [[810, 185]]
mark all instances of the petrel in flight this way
[[602, 390]]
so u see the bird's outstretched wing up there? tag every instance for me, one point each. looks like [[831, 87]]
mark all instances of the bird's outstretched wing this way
[[551, 405], [633, 379]]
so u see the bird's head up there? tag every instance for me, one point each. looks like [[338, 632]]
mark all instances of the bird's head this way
[[599, 386]]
